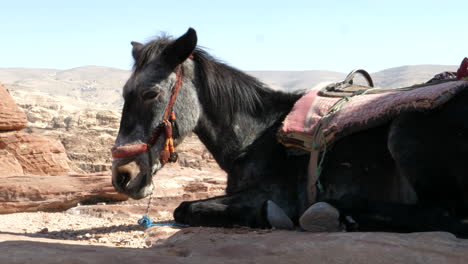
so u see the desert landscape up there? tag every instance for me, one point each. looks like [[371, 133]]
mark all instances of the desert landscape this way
[[57, 203]]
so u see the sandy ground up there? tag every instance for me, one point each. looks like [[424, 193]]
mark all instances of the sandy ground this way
[[109, 231], [114, 225]]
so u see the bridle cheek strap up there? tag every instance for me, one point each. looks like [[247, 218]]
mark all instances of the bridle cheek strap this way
[[168, 153]]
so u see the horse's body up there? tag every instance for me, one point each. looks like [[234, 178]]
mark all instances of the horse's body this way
[[407, 175]]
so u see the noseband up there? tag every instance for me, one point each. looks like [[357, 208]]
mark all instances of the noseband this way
[[168, 153]]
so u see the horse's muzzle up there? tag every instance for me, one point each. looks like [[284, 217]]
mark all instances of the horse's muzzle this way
[[122, 175]]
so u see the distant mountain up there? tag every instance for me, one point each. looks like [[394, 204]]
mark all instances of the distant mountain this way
[[103, 85], [408, 75]]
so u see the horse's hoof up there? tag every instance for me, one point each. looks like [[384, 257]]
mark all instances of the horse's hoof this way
[[320, 217], [277, 217], [181, 213]]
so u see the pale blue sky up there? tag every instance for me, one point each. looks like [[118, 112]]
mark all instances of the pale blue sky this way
[[251, 35]]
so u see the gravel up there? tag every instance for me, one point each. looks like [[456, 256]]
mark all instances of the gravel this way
[[107, 231]]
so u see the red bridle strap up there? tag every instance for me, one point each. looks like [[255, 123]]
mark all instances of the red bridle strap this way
[[168, 153], [128, 150]]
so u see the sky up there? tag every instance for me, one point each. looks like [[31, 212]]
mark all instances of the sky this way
[[282, 35]]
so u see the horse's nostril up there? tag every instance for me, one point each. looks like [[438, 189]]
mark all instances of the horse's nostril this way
[[124, 178], [122, 175]]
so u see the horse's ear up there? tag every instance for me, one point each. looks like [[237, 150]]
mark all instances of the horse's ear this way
[[137, 47], [178, 51]]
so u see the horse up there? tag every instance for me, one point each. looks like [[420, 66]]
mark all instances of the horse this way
[[406, 175]]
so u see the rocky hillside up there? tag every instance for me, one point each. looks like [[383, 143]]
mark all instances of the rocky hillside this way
[[102, 85], [86, 131]]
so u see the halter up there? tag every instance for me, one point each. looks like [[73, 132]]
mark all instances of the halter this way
[[168, 153]]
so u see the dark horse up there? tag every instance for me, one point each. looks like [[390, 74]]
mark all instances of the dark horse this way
[[408, 175]]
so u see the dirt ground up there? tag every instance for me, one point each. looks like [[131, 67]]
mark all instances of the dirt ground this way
[[92, 230]]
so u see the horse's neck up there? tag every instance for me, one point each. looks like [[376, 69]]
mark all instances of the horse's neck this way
[[229, 140]]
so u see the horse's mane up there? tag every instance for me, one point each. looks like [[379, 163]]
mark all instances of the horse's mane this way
[[223, 90], [151, 49]]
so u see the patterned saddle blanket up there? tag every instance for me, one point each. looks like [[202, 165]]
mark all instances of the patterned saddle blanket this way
[[317, 119]]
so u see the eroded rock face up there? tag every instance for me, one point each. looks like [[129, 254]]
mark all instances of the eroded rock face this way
[[11, 116], [9, 165], [29, 193], [36, 154]]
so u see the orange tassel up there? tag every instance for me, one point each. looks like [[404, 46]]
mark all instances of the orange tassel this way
[[173, 116], [164, 156], [165, 153], [171, 145], [173, 155]]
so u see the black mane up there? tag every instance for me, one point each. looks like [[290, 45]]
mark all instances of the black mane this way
[[151, 50], [227, 90]]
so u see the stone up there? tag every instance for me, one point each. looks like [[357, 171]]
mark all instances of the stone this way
[[11, 116], [28, 193], [277, 217], [36, 154], [320, 217], [9, 165]]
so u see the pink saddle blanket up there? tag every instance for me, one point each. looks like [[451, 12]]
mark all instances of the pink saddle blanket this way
[[310, 125]]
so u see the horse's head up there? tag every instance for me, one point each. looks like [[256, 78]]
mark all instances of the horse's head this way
[[161, 67]]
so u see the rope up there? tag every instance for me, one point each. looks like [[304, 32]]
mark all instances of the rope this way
[[318, 132], [146, 222]]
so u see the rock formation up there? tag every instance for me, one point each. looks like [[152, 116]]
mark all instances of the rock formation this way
[[36, 154], [11, 117], [22, 153], [34, 170]]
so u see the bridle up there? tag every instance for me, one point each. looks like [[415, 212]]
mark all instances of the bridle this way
[[165, 127]]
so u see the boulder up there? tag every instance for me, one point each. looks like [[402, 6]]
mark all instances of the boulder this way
[[37, 155], [27, 193], [11, 116]]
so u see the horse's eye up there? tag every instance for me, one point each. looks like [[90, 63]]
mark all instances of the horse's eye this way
[[150, 95]]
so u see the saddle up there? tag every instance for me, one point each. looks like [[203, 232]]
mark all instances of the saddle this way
[[347, 87], [323, 116]]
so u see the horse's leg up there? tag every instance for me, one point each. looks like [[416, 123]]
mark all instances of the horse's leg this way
[[256, 207], [431, 149], [396, 217]]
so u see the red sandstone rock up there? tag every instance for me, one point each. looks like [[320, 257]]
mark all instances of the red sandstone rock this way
[[54, 193], [9, 165], [11, 116], [36, 154]]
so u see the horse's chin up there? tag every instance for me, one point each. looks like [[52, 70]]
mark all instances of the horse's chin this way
[[140, 187]]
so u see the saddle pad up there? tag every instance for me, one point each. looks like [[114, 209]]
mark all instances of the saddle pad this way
[[308, 126]]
